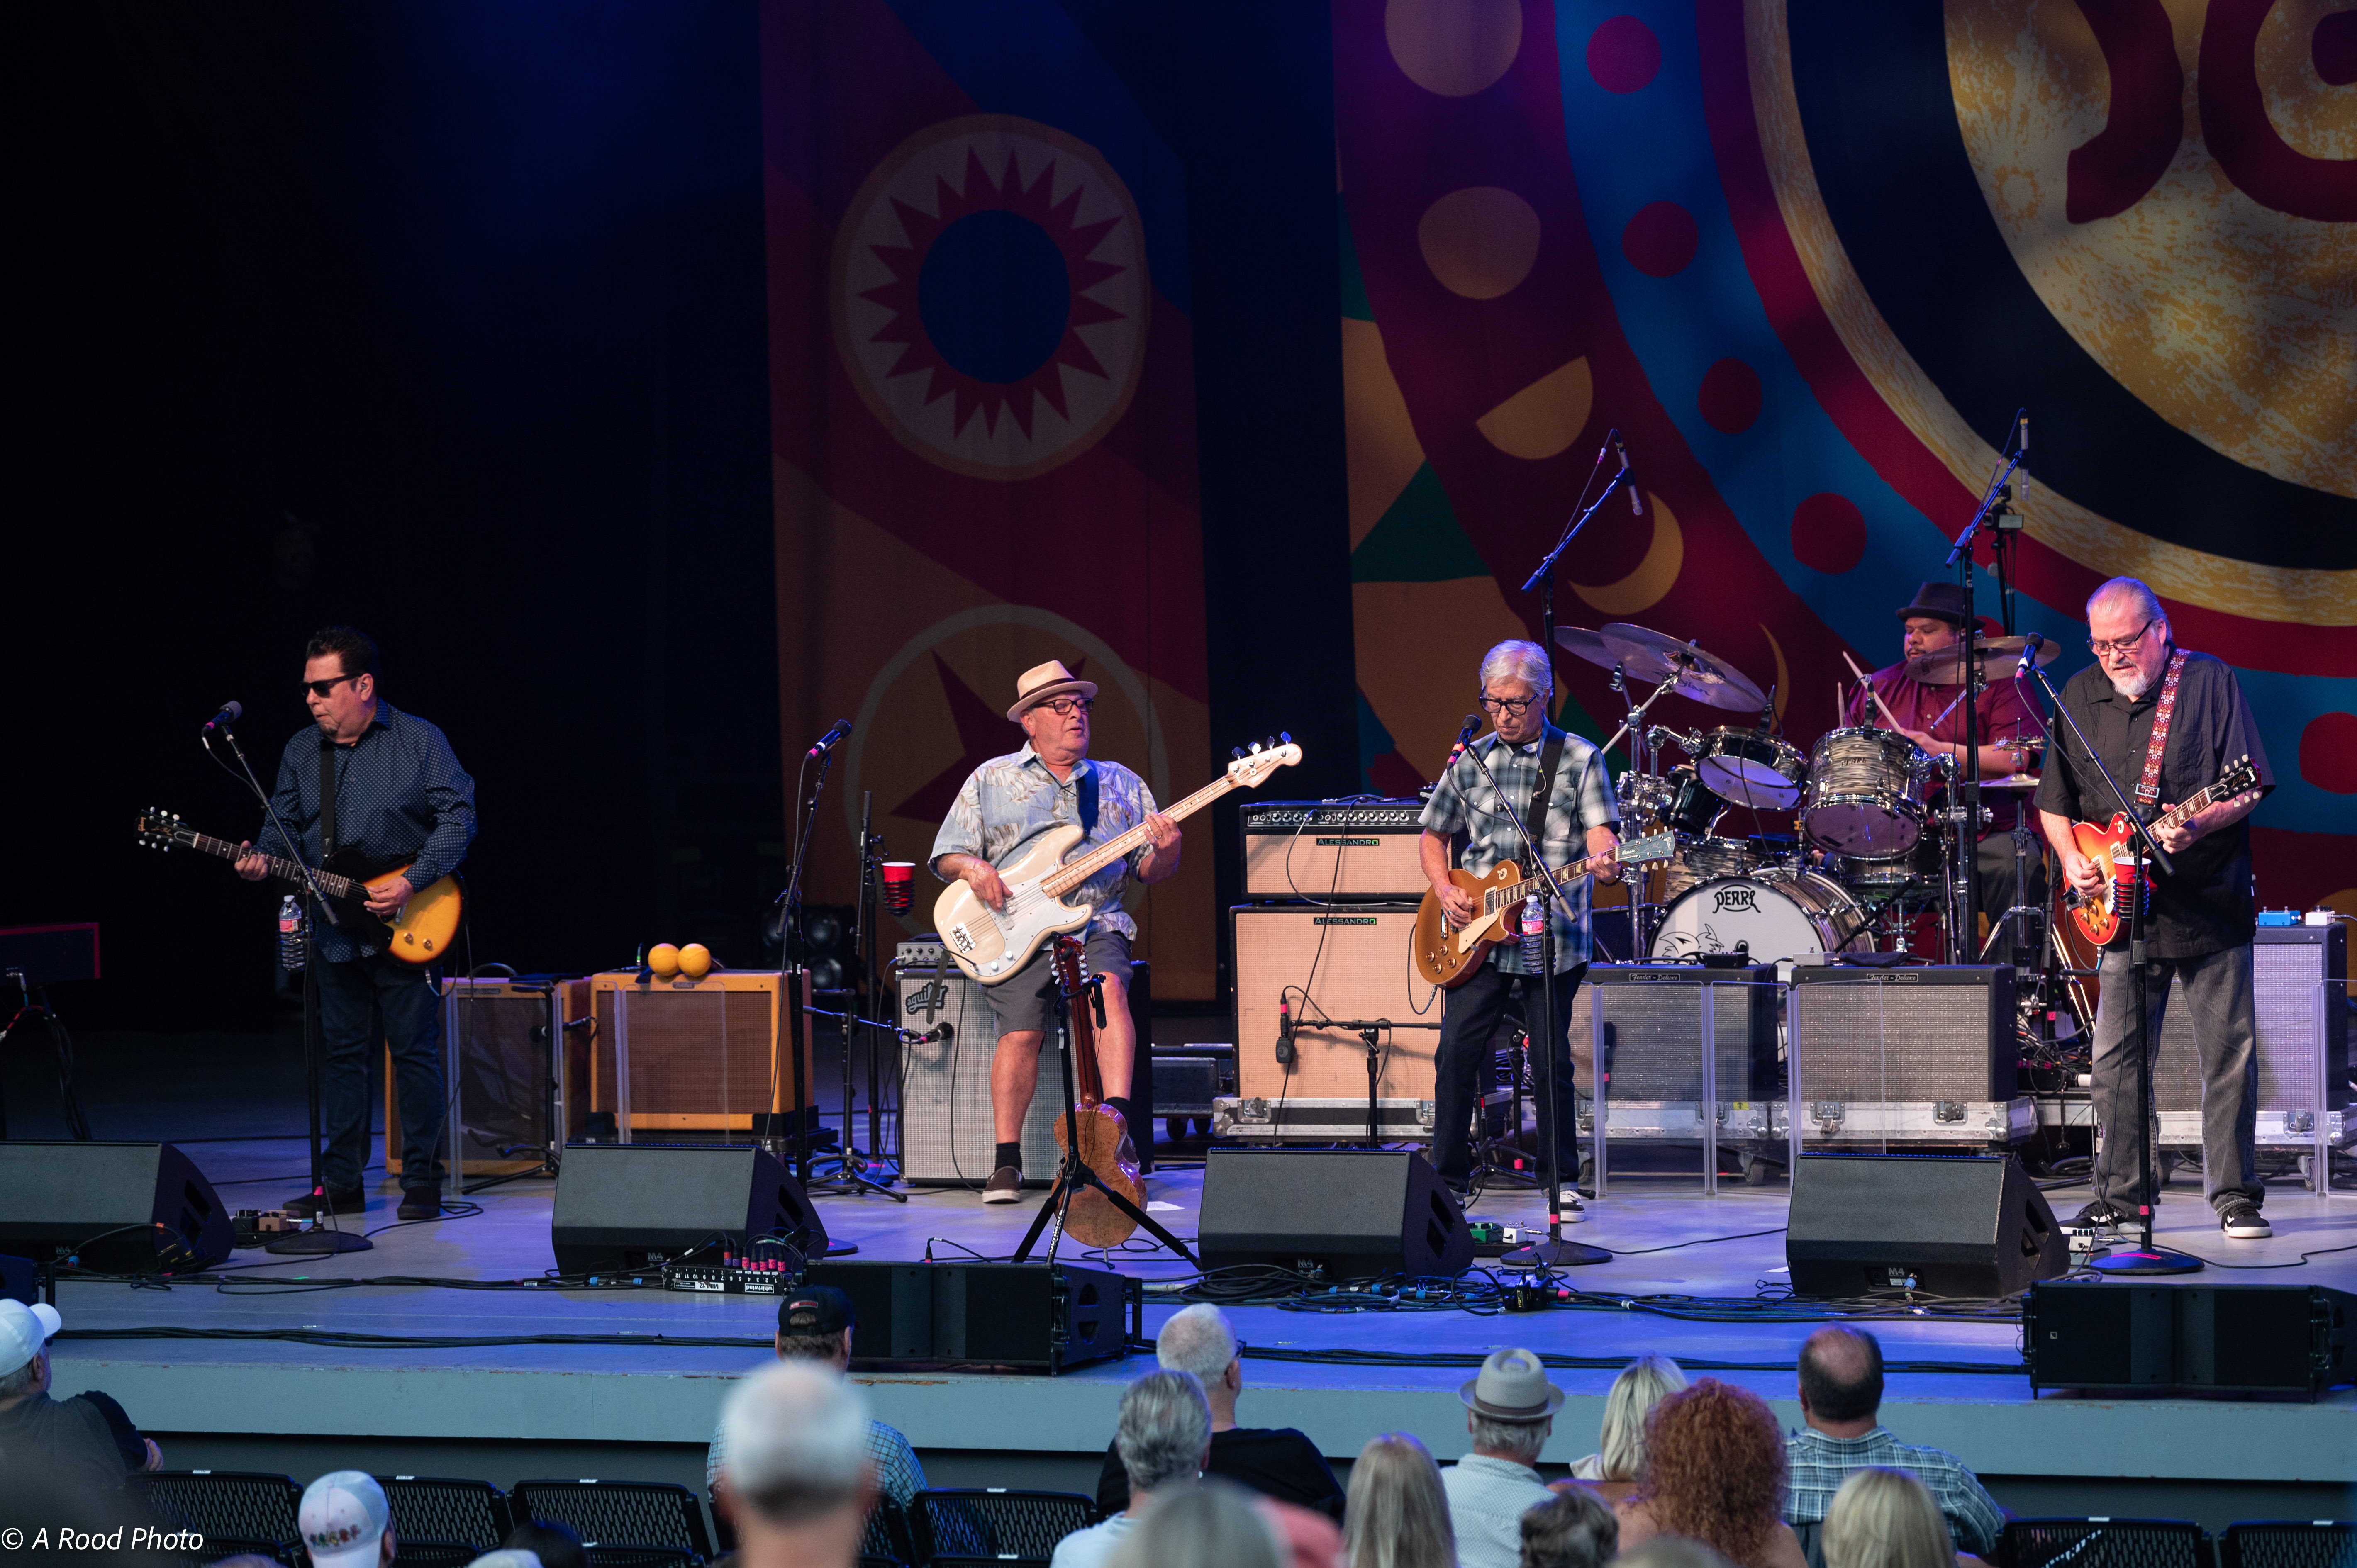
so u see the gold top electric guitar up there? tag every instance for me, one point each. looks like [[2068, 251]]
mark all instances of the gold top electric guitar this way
[[1447, 956]]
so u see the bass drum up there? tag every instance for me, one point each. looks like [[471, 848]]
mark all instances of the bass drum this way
[[1779, 915]]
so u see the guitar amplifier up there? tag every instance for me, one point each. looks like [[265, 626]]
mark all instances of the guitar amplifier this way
[[1913, 1056], [1653, 1055], [692, 1055], [2299, 985], [1348, 964], [1332, 850], [504, 1087]]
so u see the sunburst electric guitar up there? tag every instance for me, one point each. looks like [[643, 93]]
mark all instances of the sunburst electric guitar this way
[[2113, 849], [420, 934], [1448, 955], [992, 945], [1093, 1219]]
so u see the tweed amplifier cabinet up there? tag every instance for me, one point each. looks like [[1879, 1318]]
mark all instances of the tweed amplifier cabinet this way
[[1351, 966], [945, 1126], [2299, 982], [1909, 1056], [692, 1054], [1653, 1032], [1332, 850], [506, 1091]]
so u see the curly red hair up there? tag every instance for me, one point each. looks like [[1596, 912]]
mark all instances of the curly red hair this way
[[1714, 1469]]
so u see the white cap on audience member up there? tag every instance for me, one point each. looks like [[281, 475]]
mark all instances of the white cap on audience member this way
[[507, 1557], [795, 1434], [343, 1519], [23, 1333]]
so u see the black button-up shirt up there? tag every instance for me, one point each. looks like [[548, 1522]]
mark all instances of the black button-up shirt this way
[[401, 796], [2207, 906]]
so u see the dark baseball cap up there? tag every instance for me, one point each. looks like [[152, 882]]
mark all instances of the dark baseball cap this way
[[816, 1309]]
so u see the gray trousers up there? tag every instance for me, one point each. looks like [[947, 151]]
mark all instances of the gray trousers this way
[[2217, 987]]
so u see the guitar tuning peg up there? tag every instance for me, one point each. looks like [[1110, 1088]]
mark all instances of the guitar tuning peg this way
[[1255, 748], [1285, 735], [1237, 752]]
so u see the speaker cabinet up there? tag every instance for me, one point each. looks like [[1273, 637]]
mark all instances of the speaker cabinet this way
[[633, 1206], [692, 1054], [2171, 1338], [1925, 1054], [1328, 851], [2303, 1040], [1652, 1038], [124, 1208], [507, 1088], [1041, 1317], [1948, 1224], [1348, 965], [1349, 1213]]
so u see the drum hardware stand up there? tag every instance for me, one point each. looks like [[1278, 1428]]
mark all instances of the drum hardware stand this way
[[1967, 790], [851, 1177], [2146, 1259]]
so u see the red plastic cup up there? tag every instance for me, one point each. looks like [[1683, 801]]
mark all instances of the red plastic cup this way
[[899, 885]]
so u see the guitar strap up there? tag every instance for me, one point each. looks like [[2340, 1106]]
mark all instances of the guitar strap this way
[[326, 798], [2148, 790], [1086, 787], [1551, 759]]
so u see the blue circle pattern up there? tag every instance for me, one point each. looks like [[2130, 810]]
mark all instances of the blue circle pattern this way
[[994, 295]]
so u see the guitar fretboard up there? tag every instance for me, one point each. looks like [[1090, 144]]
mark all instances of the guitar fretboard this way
[[1075, 872], [284, 869]]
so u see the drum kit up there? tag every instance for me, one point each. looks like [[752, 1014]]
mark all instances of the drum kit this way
[[1847, 848]]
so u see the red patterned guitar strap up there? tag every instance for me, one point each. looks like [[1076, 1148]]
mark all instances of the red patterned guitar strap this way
[[2148, 790]]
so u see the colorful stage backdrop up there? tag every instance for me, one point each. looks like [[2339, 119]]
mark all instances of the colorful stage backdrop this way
[[983, 402], [1809, 261]]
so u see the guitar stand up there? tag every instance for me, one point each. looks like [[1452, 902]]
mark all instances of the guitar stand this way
[[1075, 1173]]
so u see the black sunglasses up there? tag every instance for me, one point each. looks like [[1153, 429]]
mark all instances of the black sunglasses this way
[[321, 688]]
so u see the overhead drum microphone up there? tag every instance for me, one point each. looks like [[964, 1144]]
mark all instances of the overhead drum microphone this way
[[1636, 503]]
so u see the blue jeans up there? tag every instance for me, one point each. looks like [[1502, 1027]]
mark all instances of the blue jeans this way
[[1461, 1068], [361, 1001]]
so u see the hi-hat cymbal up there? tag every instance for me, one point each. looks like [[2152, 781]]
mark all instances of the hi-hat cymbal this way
[[1649, 656], [1946, 666]]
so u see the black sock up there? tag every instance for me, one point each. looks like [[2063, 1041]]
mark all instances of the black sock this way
[[1120, 1102], [1009, 1155]]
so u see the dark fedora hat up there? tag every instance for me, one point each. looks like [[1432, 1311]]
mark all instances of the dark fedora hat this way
[[1939, 601]]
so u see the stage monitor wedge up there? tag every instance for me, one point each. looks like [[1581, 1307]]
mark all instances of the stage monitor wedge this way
[[1957, 1225], [1344, 1213], [639, 1206], [123, 1208]]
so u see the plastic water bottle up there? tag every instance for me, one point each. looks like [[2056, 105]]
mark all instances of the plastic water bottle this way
[[1534, 925], [290, 935]]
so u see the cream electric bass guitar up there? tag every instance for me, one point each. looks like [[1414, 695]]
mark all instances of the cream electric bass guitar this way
[[1448, 955], [992, 945]]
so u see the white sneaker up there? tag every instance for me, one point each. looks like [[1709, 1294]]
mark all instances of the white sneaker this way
[[1567, 1209]]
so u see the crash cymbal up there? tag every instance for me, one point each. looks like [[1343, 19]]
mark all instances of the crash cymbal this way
[[1946, 667], [1648, 656], [1580, 642]]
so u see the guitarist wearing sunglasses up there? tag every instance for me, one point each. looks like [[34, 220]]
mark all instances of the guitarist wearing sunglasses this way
[[398, 794], [2200, 921]]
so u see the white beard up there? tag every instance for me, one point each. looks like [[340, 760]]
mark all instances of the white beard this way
[[2132, 688]]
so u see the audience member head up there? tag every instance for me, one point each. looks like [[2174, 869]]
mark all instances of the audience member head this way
[[1211, 1526], [1201, 1340], [505, 1557], [550, 1544], [1396, 1515], [1575, 1528], [1672, 1552], [346, 1522], [1164, 1431], [24, 1348], [815, 1324], [1715, 1468], [1841, 1379], [797, 1474], [1885, 1518], [1642, 1384], [1509, 1407]]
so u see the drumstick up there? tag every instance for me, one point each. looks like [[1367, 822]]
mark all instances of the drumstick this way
[[1888, 717]]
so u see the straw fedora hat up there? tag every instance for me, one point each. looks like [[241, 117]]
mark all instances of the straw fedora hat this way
[[1042, 681]]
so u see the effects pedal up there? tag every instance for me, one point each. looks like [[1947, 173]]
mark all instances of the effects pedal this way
[[732, 1275], [252, 1225]]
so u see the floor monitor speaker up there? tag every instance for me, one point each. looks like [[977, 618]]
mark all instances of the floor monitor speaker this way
[[633, 1206], [1347, 1213], [1962, 1225], [123, 1208], [1045, 1317]]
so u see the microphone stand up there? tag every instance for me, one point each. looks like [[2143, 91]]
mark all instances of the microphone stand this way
[[319, 1240], [851, 1177], [1969, 783], [791, 976], [2146, 1259]]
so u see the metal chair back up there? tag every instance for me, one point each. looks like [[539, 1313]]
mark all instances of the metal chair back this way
[[2289, 1543], [2104, 1543], [617, 1514], [984, 1527], [438, 1509], [233, 1505]]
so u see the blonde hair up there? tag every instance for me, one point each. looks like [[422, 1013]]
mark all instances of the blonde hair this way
[[1885, 1518], [1396, 1515], [1642, 1384]]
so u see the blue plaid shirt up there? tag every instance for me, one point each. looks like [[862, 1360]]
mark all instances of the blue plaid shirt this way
[[1464, 802], [400, 796], [1009, 800], [1818, 1464], [899, 1476]]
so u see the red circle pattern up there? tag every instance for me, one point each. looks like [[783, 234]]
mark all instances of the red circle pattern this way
[[1623, 55], [1828, 533], [2328, 753], [1730, 396], [1661, 240]]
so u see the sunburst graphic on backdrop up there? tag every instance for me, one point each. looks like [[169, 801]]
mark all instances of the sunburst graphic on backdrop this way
[[990, 295]]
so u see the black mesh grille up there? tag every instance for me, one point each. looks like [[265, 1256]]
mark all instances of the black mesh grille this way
[[991, 1527], [431, 1509], [240, 1504], [2104, 1543], [2291, 1543], [616, 1513]]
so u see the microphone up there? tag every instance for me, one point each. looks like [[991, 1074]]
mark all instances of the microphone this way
[[1464, 738], [826, 742], [2030, 645], [1636, 505], [1284, 1031], [229, 714]]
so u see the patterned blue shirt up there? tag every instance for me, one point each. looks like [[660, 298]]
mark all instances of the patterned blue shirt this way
[[1464, 802], [400, 796], [1817, 1464], [1009, 800], [898, 1473]]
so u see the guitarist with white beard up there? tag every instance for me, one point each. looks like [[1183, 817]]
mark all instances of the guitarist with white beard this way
[[1004, 805], [2200, 921]]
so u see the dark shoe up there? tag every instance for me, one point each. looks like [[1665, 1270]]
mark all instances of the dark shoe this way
[[420, 1203], [2242, 1220], [2102, 1215], [310, 1206], [1004, 1185]]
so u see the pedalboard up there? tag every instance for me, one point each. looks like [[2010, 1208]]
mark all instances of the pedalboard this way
[[732, 1275]]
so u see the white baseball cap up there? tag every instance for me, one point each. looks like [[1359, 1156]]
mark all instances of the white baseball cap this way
[[344, 1517], [24, 1330]]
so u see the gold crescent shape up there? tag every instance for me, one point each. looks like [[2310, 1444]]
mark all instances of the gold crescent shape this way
[[1783, 673], [1650, 582]]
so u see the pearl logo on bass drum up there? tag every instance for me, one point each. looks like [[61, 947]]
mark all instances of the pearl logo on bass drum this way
[[1741, 899]]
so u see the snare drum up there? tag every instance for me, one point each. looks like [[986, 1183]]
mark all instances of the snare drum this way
[[1865, 793], [1748, 769], [1706, 859], [1910, 877], [1778, 914]]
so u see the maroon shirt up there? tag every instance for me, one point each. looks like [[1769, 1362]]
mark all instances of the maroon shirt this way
[[2004, 711]]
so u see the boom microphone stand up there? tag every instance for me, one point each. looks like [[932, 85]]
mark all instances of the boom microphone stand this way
[[851, 1176], [2146, 1259]]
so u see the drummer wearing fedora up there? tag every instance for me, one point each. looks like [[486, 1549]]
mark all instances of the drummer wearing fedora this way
[[1509, 1410], [1004, 805], [1930, 715]]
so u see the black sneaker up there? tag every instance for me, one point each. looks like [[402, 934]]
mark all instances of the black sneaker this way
[[2102, 1215], [2242, 1220], [420, 1203], [1004, 1185], [352, 1200]]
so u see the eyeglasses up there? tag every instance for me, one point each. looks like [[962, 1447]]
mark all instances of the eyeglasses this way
[[321, 688], [2099, 645], [1515, 705], [1065, 707]]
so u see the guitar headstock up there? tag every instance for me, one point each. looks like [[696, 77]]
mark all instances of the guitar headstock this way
[[2239, 777], [1254, 763], [1647, 850], [160, 829]]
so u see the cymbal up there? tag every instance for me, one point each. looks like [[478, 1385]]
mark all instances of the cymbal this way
[[1946, 667], [1649, 656], [1583, 643]]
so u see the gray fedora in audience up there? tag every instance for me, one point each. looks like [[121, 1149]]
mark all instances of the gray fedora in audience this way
[[1512, 1386]]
